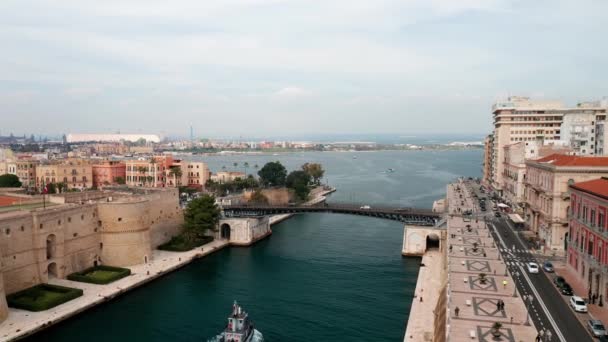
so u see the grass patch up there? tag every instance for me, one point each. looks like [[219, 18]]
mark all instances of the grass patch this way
[[42, 297], [180, 244], [100, 274]]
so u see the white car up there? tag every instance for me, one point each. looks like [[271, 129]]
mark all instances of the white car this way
[[532, 267], [366, 207], [578, 304]]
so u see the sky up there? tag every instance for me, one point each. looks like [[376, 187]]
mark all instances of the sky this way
[[280, 67]]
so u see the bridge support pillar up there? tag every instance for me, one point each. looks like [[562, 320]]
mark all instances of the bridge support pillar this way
[[418, 239]]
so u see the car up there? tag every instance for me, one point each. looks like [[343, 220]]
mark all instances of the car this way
[[559, 281], [566, 290], [548, 267], [365, 207], [578, 304], [603, 338], [596, 327], [497, 214], [532, 267]]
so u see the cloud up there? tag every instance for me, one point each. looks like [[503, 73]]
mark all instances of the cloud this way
[[290, 92]]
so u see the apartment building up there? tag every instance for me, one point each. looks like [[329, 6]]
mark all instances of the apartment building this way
[[25, 169], [149, 172], [588, 235], [195, 174], [514, 172], [72, 173], [487, 166], [538, 123], [546, 193]]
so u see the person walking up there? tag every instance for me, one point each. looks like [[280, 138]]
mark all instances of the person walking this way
[[457, 311]]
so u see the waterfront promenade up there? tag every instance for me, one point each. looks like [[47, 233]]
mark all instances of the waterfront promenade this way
[[478, 281]]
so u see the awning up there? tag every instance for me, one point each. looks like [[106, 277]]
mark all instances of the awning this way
[[516, 218], [502, 205]]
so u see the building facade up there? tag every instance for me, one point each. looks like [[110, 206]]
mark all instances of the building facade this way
[[588, 236], [540, 122], [109, 173], [546, 193], [514, 173], [227, 176], [72, 173], [149, 172], [26, 171], [487, 166], [195, 174]]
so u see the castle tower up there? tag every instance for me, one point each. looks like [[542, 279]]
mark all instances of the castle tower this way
[[125, 233]]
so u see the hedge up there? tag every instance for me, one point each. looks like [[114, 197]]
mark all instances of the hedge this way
[[42, 297], [180, 244], [100, 274]]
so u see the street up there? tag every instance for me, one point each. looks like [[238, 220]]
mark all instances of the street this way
[[548, 308]]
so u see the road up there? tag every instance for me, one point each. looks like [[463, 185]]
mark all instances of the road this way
[[548, 309]]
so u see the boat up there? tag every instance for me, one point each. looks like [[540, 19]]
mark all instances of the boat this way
[[239, 329], [390, 170]]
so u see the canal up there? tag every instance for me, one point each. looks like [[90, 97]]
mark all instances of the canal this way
[[319, 277]]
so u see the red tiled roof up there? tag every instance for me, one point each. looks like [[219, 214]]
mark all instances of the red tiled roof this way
[[598, 187], [567, 160]]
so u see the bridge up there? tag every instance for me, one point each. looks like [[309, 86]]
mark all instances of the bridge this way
[[411, 216]]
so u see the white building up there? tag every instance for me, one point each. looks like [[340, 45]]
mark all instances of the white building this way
[[76, 137]]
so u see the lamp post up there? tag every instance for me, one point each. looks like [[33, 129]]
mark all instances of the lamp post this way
[[515, 286]]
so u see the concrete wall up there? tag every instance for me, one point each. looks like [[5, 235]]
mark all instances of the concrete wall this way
[[415, 239], [245, 231]]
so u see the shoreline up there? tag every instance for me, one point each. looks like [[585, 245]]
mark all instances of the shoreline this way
[[21, 323]]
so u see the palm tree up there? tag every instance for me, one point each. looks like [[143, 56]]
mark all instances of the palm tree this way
[[142, 170], [175, 171], [246, 165], [223, 167], [235, 165]]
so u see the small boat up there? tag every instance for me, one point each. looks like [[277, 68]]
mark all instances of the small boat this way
[[390, 170], [239, 328], [354, 157]]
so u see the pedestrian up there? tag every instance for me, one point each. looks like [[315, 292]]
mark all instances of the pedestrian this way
[[498, 305], [504, 284], [421, 298], [511, 319], [537, 339], [456, 311]]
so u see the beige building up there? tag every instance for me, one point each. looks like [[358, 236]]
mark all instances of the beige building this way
[[74, 173], [520, 119], [546, 193], [195, 174], [488, 152], [514, 173], [116, 229], [149, 172], [26, 171], [227, 176]]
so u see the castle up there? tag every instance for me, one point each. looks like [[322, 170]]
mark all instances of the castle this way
[[119, 228]]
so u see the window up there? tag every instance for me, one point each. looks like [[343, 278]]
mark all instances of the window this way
[[41, 226], [69, 219], [7, 231], [119, 219]]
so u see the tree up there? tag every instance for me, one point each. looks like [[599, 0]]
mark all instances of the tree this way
[[201, 216], [235, 164], [314, 170], [120, 180], [257, 197], [273, 174], [298, 181], [51, 188], [246, 166], [175, 171], [9, 181], [141, 142]]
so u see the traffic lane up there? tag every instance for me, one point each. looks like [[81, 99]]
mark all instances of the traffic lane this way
[[554, 301]]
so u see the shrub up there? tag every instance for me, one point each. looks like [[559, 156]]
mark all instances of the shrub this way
[[100, 274], [181, 244], [42, 297]]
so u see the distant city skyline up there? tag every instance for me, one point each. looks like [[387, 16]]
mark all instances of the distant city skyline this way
[[290, 68]]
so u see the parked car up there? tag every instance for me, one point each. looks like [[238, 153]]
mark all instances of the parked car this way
[[596, 327], [603, 338], [566, 290], [578, 304], [548, 267], [559, 281], [366, 207], [532, 267]]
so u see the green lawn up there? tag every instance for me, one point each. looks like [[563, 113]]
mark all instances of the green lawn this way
[[100, 274], [42, 297]]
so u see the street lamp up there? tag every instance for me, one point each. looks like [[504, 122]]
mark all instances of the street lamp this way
[[514, 286]]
